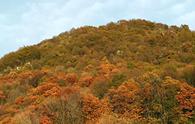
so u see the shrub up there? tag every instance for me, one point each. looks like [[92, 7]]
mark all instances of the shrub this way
[[47, 89], [188, 74], [100, 87], [124, 100], [34, 78], [86, 80], [159, 101], [117, 80], [65, 110], [72, 78], [36, 64], [114, 119], [25, 118], [14, 91], [45, 120], [186, 100], [187, 57], [92, 108], [170, 69], [130, 65]]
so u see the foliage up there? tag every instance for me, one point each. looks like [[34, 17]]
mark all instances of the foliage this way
[[66, 109], [124, 100], [20, 57], [12, 92], [92, 107], [117, 80], [159, 100], [100, 87], [188, 75], [186, 100], [126, 72]]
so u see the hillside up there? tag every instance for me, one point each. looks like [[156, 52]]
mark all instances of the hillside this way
[[127, 72]]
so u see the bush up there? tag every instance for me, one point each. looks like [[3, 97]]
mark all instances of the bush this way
[[186, 57], [86, 80], [33, 79], [25, 118], [92, 108], [186, 100], [71, 78], [124, 100], [117, 80], [130, 65], [114, 119], [14, 91], [170, 69], [188, 74], [159, 101], [100, 87], [65, 110], [22, 119]]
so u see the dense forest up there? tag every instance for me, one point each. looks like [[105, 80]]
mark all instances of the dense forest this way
[[128, 72]]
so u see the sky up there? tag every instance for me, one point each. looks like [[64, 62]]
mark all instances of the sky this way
[[27, 22]]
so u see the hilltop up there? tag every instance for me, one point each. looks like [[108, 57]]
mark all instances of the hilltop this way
[[134, 71]]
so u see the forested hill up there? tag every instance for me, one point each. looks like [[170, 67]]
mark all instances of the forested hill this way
[[133, 71], [134, 40]]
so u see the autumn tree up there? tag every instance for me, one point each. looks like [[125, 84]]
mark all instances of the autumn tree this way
[[124, 100]]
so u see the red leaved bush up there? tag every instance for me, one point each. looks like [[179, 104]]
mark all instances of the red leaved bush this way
[[186, 99], [19, 100], [125, 100], [107, 69], [47, 89], [45, 120], [72, 78], [68, 91], [86, 80], [92, 107]]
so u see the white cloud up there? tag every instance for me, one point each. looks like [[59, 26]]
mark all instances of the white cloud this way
[[187, 18], [40, 19]]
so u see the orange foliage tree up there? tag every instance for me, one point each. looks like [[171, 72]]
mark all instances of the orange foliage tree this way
[[125, 100], [92, 107], [47, 89], [186, 99]]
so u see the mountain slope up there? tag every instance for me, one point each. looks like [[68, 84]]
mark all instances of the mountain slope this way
[[133, 71], [137, 40]]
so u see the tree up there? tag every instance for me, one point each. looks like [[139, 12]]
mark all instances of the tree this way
[[125, 100]]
